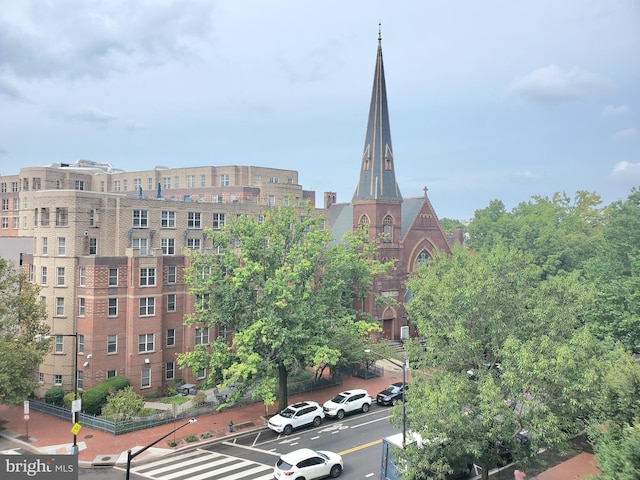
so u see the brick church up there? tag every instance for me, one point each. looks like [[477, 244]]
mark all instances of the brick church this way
[[407, 229]]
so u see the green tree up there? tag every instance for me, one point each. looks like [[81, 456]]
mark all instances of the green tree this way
[[559, 232], [123, 404], [615, 426], [615, 274], [507, 352], [284, 291], [449, 225], [23, 343]]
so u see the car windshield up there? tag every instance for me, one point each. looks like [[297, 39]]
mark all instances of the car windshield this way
[[393, 389], [339, 398], [323, 456], [282, 465], [287, 413]]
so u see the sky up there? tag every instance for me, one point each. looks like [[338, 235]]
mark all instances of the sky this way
[[494, 99]]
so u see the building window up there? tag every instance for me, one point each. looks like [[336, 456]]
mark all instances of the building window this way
[[145, 381], [202, 301], [193, 243], [5, 223], [364, 223], [112, 344], [193, 220], [80, 343], [147, 306], [32, 275], [140, 219], [102, 185], [272, 200], [166, 183], [45, 245], [168, 246], [169, 371], [171, 302], [222, 331], [16, 203], [423, 257], [147, 277], [202, 336], [60, 276], [14, 186], [145, 342], [218, 220], [171, 337], [172, 274], [168, 219], [62, 217], [116, 185], [58, 344], [387, 229], [93, 246], [44, 217], [79, 185], [57, 379], [191, 181], [5, 204], [92, 215], [137, 184], [80, 379], [43, 275], [176, 182], [113, 277], [113, 307], [203, 180], [81, 306], [62, 246], [140, 244], [125, 185], [274, 180], [201, 373], [82, 276], [40, 377], [111, 373], [224, 180], [3, 187]]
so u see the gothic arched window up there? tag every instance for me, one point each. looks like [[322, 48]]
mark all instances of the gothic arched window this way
[[364, 223], [387, 229], [423, 257]]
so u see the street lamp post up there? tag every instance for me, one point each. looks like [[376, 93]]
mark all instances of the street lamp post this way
[[404, 388], [131, 456]]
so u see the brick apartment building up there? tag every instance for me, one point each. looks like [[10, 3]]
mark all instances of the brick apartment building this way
[[108, 249]]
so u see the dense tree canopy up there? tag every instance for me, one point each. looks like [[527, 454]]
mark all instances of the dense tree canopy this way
[[507, 353], [284, 291], [22, 334]]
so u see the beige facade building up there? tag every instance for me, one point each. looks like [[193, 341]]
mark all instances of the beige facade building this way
[[109, 248]]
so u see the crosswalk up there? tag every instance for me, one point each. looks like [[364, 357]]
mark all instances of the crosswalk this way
[[202, 464]]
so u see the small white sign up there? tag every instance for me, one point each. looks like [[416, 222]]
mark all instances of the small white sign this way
[[76, 405], [26, 407]]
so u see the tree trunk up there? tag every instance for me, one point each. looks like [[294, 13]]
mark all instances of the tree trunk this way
[[283, 398]]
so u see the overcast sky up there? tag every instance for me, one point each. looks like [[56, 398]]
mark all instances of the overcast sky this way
[[494, 99]]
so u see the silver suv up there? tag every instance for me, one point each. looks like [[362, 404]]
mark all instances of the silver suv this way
[[356, 400]]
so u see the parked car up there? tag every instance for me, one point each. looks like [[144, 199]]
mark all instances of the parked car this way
[[296, 416], [308, 464], [392, 394], [356, 400]]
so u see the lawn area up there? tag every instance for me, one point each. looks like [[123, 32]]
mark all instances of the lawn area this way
[[177, 399]]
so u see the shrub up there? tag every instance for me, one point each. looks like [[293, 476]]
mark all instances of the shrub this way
[[55, 395], [199, 398], [68, 398], [94, 399], [206, 435], [191, 438], [171, 443]]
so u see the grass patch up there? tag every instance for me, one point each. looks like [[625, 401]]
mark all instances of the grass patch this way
[[178, 399]]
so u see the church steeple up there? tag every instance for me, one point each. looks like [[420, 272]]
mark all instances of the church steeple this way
[[377, 172]]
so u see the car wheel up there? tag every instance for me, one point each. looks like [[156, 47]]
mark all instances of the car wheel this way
[[365, 408], [340, 414], [335, 472], [316, 421], [394, 402], [287, 430]]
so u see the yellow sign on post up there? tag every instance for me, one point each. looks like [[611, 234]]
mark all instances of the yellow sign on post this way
[[76, 428]]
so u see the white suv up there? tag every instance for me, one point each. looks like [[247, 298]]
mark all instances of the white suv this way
[[357, 400], [308, 464], [295, 416]]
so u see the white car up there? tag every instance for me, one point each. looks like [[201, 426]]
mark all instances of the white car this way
[[296, 416], [308, 464], [356, 400]]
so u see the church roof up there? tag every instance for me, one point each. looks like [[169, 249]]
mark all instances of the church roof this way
[[377, 172]]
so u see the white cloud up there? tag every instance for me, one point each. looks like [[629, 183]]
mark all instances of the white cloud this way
[[551, 84], [90, 115], [627, 134], [616, 111], [627, 172], [10, 91]]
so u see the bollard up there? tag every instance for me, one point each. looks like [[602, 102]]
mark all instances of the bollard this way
[[231, 425]]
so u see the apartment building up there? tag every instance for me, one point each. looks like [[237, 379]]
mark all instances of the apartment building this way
[[109, 249]]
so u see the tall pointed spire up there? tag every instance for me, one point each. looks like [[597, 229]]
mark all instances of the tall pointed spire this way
[[377, 172]]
